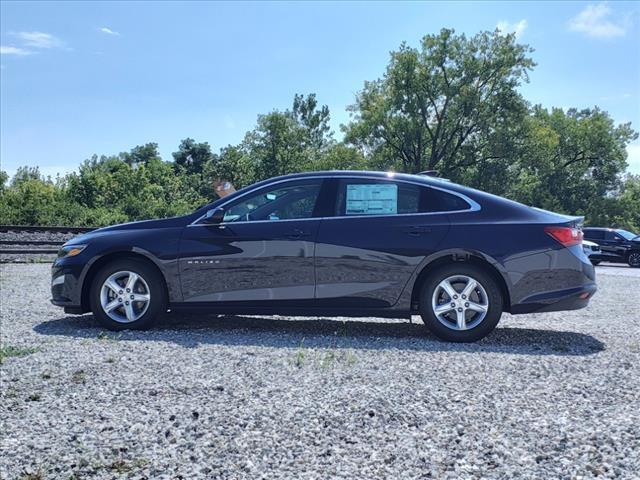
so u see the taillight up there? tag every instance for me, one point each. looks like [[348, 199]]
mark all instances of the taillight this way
[[567, 236]]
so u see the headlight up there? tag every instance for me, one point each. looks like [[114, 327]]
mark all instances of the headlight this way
[[70, 250]]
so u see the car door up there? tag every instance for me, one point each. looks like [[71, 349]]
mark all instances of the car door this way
[[378, 233], [261, 253], [611, 244]]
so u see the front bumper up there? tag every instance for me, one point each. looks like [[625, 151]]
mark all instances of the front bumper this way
[[66, 287]]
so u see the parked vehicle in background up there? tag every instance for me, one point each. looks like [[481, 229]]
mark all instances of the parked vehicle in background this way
[[616, 245], [361, 244], [592, 250]]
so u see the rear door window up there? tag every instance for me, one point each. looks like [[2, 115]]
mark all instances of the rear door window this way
[[376, 197], [361, 197], [594, 234]]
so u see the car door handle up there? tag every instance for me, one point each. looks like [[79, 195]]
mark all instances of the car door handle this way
[[416, 230], [297, 233]]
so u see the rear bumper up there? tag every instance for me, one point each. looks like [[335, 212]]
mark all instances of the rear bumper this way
[[550, 281], [567, 299]]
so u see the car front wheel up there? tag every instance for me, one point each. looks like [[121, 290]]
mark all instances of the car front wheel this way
[[461, 303], [127, 294], [634, 259]]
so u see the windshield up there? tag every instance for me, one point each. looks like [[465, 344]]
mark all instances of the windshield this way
[[626, 234]]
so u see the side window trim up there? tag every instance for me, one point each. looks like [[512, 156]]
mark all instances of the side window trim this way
[[328, 179], [283, 184]]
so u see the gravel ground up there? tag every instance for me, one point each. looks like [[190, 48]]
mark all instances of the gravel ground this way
[[545, 396]]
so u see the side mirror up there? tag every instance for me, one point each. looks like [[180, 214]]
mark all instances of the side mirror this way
[[213, 216]]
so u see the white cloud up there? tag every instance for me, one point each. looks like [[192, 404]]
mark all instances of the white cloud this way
[[633, 157], [10, 50], [518, 27], [108, 31], [594, 21], [39, 40]]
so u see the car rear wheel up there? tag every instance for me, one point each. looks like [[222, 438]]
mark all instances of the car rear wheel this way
[[595, 262], [634, 259], [127, 294], [460, 303]]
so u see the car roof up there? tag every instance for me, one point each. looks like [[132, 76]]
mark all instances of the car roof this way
[[426, 179]]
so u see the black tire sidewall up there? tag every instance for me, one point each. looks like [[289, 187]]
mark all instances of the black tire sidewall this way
[[488, 323], [629, 260], [156, 290]]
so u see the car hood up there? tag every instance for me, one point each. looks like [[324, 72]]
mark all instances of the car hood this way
[[128, 227]]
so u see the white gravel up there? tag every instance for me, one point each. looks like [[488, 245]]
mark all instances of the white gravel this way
[[546, 396]]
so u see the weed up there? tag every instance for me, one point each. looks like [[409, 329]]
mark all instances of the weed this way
[[102, 335], [300, 355], [79, 376], [328, 359], [31, 476], [7, 351], [350, 358]]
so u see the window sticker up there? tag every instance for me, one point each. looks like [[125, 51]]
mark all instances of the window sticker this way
[[374, 199]]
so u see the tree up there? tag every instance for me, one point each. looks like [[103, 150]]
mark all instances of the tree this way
[[437, 106], [192, 157], [572, 161], [315, 122], [232, 165], [141, 155], [276, 145], [629, 204], [4, 178], [25, 174], [339, 156]]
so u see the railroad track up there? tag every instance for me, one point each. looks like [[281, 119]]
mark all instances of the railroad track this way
[[38, 228], [26, 246], [31, 242]]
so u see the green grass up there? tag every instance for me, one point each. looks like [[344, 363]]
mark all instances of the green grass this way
[[7, 351], [106, 336], [323, 358]]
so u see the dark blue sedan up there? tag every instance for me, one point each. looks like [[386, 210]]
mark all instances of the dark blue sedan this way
[[362, 244]]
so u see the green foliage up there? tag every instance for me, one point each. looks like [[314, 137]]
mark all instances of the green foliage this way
[[572, 162], [439, 105]]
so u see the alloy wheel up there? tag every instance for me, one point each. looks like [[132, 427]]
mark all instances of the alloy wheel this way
[[634, 259], [125, 296], [460, 302]]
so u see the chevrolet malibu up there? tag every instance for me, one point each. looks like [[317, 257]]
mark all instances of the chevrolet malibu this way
[[362, 244]]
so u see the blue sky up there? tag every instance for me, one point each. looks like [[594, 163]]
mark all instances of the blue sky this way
[[82, 78]]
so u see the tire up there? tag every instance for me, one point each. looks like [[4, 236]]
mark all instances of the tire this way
[[634, 259], [447, 324], [595, 262], [139, 313]]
